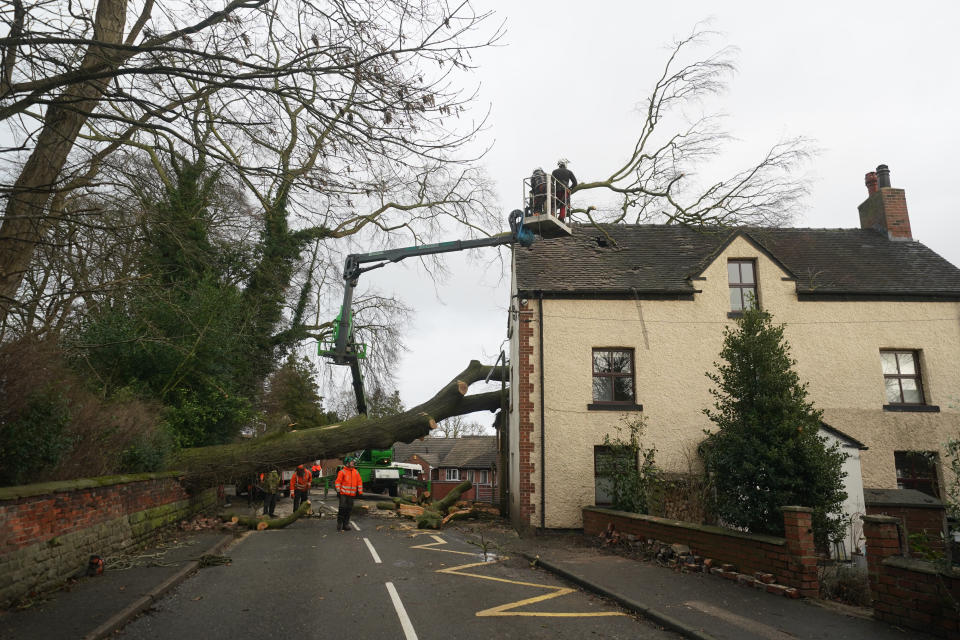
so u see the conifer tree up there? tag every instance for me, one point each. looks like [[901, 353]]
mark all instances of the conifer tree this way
[[766, 452]]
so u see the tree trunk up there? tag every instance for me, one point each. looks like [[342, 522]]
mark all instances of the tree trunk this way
[[26, 219], [223, 464]]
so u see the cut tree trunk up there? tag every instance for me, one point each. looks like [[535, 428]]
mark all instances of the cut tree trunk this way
[[251, 522], [209, 466]]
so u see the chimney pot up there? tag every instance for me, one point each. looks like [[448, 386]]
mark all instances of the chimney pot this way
[[883, 176], [871, 182]]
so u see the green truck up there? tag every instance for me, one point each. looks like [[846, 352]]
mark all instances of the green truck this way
[[380, 474]]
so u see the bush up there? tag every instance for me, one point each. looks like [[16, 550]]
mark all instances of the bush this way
[[629, 468], [33, 443], [847, 584]]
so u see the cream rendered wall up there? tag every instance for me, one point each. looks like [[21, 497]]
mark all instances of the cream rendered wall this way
[[836, 345]]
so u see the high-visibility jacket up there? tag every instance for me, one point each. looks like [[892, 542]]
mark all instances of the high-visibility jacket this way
[[300, 483], [316, 470], [348, 482]]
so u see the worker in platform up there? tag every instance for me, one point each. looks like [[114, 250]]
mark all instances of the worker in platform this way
[[538, 191], [269, 484], [348, 486], [563, 181], [300, 486]]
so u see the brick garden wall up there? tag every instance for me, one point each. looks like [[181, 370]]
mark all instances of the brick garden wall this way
[[905, 591], [790, 559], [926, 520], [48, 531]]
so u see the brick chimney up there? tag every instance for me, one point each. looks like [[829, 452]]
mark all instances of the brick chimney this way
[[885, 209]]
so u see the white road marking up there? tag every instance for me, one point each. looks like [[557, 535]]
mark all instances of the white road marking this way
[[355, 526], [408, 631], [373, 551]]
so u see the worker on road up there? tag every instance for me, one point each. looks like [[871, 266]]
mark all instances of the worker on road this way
[[348, 486], [269, 484], [300, 486], [563, 181]]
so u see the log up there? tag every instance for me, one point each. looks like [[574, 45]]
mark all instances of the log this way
[[386, 506], [209, 466], [451, 498], [262, 523], [429, 519], [410, 510]]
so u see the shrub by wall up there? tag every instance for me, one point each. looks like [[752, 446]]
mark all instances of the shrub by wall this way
[[48, 531]]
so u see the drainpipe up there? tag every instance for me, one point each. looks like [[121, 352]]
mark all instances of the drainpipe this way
[[543, 454]]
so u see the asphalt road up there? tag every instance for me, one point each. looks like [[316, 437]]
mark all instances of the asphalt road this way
[[385, 580]]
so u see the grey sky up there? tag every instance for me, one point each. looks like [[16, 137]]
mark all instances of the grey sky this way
[[870, 83]]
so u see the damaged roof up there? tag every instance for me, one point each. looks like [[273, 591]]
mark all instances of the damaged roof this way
[[664, 260], [470, 452]]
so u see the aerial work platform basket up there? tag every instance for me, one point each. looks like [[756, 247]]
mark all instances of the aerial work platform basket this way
[[546, 206]]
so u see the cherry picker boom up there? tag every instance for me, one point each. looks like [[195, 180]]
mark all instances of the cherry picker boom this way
[[344, 350]]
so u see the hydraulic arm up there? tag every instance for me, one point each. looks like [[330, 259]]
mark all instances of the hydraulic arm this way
[[344, 350]]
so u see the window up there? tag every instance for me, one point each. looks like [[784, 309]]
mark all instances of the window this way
[[453, 474], [743, 285], [613, 376], [482, 477], [602, 480], [917, 470], [901, 377]]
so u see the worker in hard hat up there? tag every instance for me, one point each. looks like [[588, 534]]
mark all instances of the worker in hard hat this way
[[563, 181], [300, 486], [538, 191], [348, 486]]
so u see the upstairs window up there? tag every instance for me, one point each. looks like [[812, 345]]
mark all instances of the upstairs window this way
[[742, 275], [917, 470], [901, 377], [613, 376]]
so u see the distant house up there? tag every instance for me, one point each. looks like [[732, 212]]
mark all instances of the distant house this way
[[447, 462], [625, 320]]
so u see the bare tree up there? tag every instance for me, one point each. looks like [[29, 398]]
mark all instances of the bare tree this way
[[343, 113], [458, 427], [657, 180]]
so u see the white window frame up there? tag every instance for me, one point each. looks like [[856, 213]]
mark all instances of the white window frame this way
[[452, 474]]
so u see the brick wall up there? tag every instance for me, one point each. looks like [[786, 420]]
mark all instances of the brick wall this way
[[525, 387], [48, 531], [916, 520], [905, 591], [790, 559]]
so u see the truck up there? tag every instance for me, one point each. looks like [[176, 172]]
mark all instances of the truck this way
[[380, 474]]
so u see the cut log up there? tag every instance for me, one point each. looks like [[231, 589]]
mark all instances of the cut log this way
[[209, 466], [429, 519], [275, 523], [410, 510], [386, 506]]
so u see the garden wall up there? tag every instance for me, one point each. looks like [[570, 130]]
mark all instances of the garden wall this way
[[905, 591], [49, 531], [790, 559]]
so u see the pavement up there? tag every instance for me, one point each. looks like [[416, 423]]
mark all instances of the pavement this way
[[696, 606]]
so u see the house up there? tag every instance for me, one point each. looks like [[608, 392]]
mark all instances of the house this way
[[447, 462], [625, 320]]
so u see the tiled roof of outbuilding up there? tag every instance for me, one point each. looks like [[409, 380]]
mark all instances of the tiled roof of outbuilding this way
[[660, 260], [470, 452]]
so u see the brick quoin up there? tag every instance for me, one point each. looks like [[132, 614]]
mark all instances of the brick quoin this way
[[525, 390]]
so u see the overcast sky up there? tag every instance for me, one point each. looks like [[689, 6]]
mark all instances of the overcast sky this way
[[871, 83]]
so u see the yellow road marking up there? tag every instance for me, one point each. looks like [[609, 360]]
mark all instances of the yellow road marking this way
[[508, 608]]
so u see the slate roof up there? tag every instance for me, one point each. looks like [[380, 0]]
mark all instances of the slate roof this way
[[662, 260], [471, 452], [900, 498]]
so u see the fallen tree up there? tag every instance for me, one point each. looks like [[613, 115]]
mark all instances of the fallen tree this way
[[261, 523], [209, 466]]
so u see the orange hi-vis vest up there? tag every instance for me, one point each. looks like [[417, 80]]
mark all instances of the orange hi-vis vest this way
[[348, 482], [298, 483]]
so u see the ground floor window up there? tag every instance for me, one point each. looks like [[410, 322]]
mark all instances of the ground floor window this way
[[452, 475], [917, 470], [479, 476]]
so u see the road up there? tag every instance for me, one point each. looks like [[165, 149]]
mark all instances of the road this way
[[384, 579]]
